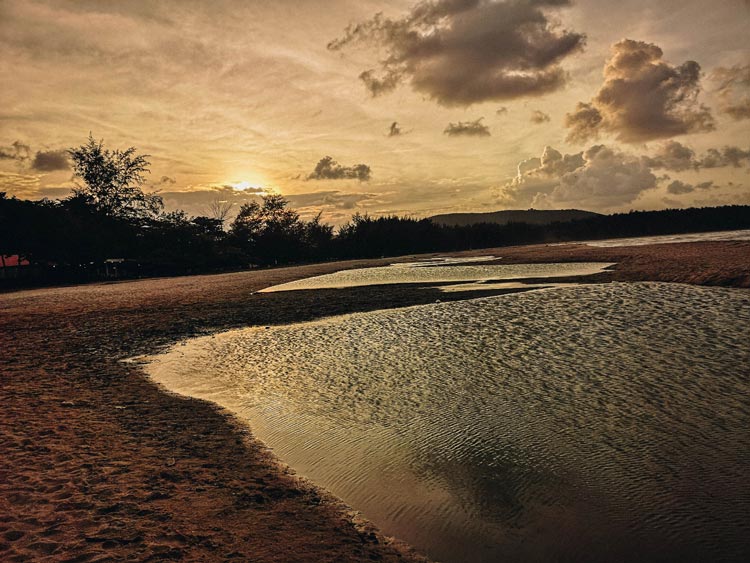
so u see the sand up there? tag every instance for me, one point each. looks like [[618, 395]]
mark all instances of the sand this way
[[98, 463]]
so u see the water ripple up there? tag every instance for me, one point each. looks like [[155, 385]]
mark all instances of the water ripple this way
[[605, 422]]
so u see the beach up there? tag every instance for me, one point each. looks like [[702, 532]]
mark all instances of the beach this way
[[99, 463]]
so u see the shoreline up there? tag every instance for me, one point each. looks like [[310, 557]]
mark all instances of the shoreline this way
[[101, 462]]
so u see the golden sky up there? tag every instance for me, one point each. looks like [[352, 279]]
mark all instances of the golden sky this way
[[430, 107]]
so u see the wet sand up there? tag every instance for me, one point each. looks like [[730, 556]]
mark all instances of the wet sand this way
[[98, 463]]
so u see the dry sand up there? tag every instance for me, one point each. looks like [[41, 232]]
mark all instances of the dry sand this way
[[97, 463]]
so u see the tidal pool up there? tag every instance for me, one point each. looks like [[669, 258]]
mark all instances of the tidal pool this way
[[587, 423], [441, 270]]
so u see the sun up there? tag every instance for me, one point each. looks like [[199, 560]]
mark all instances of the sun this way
[[241, 186]]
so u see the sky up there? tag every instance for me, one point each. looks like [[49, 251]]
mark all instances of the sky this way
[[386, 106]]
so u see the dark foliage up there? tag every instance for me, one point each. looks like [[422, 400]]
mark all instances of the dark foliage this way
[[71, 240]]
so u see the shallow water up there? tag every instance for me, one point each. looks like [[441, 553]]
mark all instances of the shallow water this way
[[595, 423], [439, 270], [713, 236]]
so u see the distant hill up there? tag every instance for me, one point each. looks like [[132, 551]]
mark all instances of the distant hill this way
[[530, 216]]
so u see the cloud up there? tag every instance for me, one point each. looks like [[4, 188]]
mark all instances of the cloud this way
[[539, 117], [733, 90], [329, 169], [462, 52], [21, 185], [467, 129], [598, 178], [642, 98], [395, 130], [167, 180], [678, 187], [501, 110], [15, 151], [677, 157], [605, 178], [50, 161], [673, 155], [196, 200], [330, 199], [727, 156]]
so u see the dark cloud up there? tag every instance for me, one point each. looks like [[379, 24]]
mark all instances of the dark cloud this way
[[642, 98], [583, 123], [673, 156], [727, 156], [15, 151], [677, 157], [50, 161], [678, 187], [468, 129], [395, 130], [539, 117], [461, 52], [329, 169], [42, 161], [501, 110], [734, 90]]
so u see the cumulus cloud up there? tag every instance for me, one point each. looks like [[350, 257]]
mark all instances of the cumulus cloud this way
[[642, 98], [394, 130], [605, 178], [461, 52], [538, 117], [598, 178], [734, 90], [468, 129], [50, 161], [328, 169], [15, 151], [677, 157]]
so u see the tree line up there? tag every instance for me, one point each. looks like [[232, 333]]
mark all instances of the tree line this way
[[110, 219]]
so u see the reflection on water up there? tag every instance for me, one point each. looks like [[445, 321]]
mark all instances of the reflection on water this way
[[662, 239], [597, 423], [441, 270]]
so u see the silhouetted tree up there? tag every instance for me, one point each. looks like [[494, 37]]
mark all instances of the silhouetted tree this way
[[268, 231], [113, 180], [219, 209]]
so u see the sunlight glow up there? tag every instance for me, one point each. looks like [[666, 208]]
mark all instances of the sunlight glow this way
[[244, 185]]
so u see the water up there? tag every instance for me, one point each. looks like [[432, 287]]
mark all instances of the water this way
[[440, 270], [588, 423], [714, 236]]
